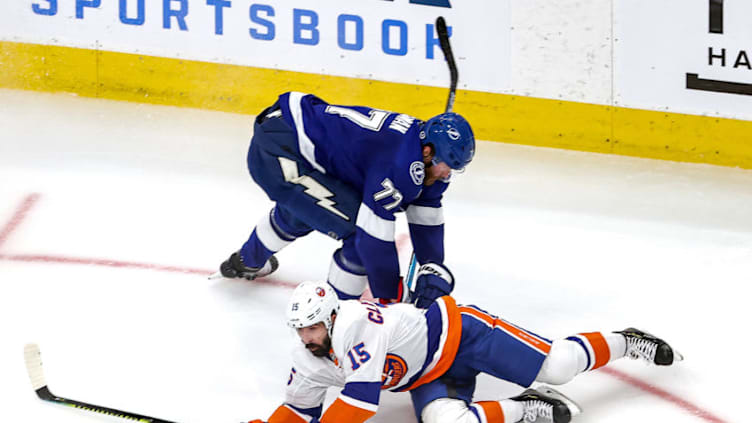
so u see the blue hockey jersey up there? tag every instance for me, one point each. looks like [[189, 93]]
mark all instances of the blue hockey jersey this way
[[379, 154]]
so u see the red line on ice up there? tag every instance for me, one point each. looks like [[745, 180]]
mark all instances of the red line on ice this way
[[18, 217], [32, 258], [664, 395]]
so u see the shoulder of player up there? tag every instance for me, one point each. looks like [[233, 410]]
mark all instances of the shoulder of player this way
[[351, 313], [350, 325], [404, 167]]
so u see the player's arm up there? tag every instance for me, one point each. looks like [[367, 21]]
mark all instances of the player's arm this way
[[287, 413], [305, 391], [363, 363], [425, 217], [374, 237]]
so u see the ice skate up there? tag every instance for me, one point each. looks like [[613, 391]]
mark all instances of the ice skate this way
[[234, 267], [649, 348], [547, 405]]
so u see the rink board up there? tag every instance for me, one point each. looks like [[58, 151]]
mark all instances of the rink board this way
[[496, 117]]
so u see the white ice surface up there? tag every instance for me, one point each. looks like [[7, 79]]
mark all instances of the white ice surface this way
[[559, 242]]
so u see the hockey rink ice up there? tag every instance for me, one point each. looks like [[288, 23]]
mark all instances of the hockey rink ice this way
[[113, 214]]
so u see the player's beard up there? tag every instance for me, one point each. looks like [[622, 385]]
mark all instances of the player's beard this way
[[320, 350]]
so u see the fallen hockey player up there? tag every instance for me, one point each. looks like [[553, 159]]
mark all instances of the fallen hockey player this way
[[435, 351]]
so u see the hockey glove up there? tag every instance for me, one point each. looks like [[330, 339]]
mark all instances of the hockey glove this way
[[434, 281]]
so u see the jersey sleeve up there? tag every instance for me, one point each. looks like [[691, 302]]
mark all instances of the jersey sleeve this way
[[374, 237], [425, 217], [286, 413], [363, 363], [306, 388]]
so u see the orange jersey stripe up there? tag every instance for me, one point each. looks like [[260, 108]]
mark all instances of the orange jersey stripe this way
[[600, 348], [284, 414], [533, 341], [340, 412], [451, 345], [493, 411]]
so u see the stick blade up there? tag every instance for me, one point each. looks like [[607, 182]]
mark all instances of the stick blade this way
[[33, 359]]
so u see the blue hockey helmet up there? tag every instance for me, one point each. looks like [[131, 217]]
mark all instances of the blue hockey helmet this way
[[452, 139]]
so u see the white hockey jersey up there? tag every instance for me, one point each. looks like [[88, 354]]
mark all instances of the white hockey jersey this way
[[374, 347]]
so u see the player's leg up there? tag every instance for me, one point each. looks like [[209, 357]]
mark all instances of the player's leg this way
[[318, 199], [347, 275], [447, 400], [276, 230], [306, 199], [589, 351], [515, 354]]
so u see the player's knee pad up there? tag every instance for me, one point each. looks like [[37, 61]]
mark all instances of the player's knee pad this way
[[348, 279], [447, 410], [562, 363]]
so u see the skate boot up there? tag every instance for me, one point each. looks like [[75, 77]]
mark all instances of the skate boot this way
[[234, 267], [649, 348], [545, 404]]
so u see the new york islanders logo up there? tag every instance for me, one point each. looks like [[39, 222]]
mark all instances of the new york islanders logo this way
[[320, 292], [395, 368]]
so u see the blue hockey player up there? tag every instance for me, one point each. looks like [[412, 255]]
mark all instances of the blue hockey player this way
[[345, 171]]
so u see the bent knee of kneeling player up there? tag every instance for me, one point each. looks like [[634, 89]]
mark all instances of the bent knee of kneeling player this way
[[447, 410], [562, 363]]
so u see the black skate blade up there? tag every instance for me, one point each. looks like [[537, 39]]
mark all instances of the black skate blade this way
[[216, 275], [574, 408]]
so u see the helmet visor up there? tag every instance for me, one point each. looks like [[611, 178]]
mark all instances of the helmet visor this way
[[436, 160]]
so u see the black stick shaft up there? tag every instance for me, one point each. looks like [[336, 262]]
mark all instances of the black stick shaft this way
[[45, 394], [446, 48]]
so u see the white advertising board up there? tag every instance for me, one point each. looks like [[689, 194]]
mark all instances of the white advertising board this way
[[375, 39], [683, 56], [692, 57], [562, 50]]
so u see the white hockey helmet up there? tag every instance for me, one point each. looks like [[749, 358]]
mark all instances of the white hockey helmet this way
[[311, 303]]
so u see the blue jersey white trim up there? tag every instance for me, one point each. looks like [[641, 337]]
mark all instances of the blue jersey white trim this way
[[428, 216], [379, 155], [375, 225], [307, 149]]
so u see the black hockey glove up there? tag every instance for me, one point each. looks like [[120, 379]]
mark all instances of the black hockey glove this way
[[434, 280]]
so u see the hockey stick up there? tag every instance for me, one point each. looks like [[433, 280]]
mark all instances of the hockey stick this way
[[33, 359], [446, 48]]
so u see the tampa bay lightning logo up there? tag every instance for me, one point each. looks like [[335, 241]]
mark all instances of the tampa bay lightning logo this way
[[453, 133], [417, 172]]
